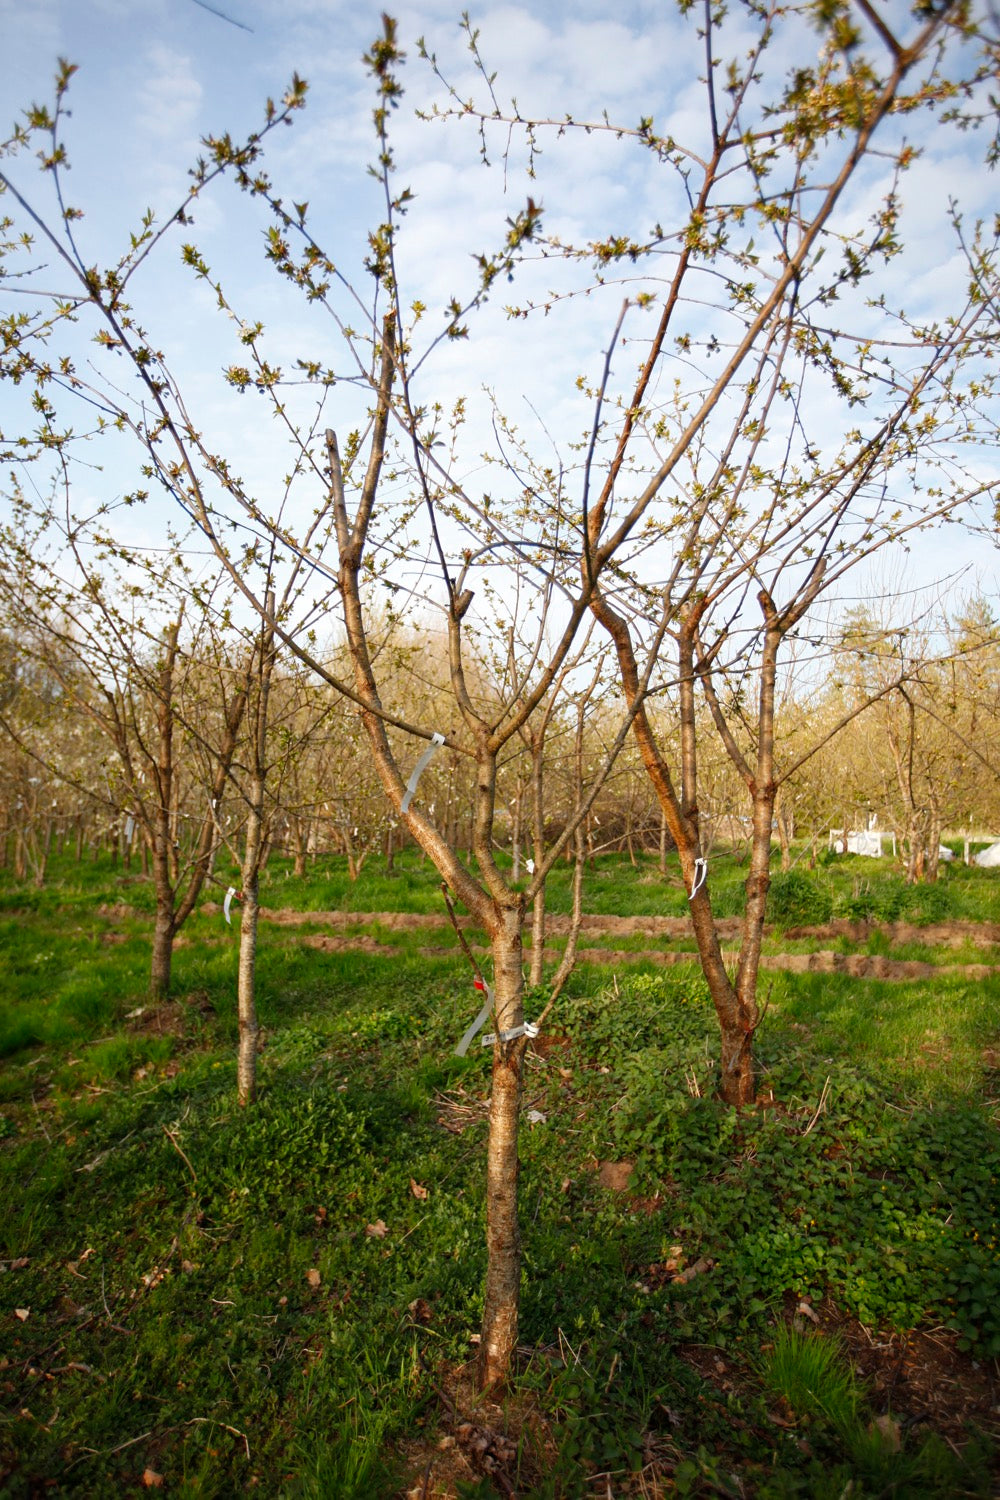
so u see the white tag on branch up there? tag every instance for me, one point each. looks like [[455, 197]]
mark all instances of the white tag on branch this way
[[437, 740], [227, 904], [700, 876], [527, 1028]]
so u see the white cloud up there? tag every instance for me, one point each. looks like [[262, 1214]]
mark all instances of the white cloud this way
[[168, 98]]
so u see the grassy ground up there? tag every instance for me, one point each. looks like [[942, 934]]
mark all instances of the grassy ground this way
[[206, 1300]]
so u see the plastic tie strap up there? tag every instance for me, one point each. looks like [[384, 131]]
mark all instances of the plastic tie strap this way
[[437, 740], [527, 1028], [480, 1020], [700, 876]]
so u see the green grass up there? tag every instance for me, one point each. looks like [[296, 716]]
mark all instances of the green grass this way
[[205, 1298], [853, 1445]]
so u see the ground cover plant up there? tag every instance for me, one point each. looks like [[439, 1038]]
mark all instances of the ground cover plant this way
[[783, 1301]]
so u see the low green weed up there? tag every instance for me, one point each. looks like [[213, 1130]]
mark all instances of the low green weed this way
[[271, 1298], [810, 1372], [869, 1454]]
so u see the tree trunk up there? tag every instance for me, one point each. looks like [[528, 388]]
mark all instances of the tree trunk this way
[[249, 1030], [301, 843], [498, 1339], [781, 823], [537, 970], [163, 951], [515, 838], [536, 742], [41, 864], [568, 962]]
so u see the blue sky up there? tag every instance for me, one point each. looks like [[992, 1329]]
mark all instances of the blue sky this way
[[156, 75]]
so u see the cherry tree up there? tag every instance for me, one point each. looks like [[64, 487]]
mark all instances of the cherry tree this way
[[756, 421]]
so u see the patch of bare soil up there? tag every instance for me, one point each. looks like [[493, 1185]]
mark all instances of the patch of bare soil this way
[[396, 921], [915, 1381], [476, 1437], [117, 911], [328, 943], [921, 1377], [856, 965], [870, 966], [168, 1017], [511, 1444], [939, 935]]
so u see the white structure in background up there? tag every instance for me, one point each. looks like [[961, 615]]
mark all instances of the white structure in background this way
[[988, 859], [866, 841]]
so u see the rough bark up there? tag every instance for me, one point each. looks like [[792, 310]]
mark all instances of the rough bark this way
[[498, 1337], [163, 950], [249, 1029]]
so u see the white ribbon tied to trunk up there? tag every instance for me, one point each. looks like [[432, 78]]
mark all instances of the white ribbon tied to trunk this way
[[226, 905], [437, 740]]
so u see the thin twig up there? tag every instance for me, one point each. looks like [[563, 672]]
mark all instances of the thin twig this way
[[819, 1107], [176, 1145], [459, 933], [211, 1421], [41, 1122]]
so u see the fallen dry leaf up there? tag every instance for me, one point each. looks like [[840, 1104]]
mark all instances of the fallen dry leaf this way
[[313, 1277], [420, 1311], [698, 1269], [152, 1480], [376, 1231], [418, 1190], [891, 1432], [24, 1313]]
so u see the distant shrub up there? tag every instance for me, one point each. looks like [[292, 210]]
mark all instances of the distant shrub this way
[[929, 903], [874, 900], [797, 899]]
